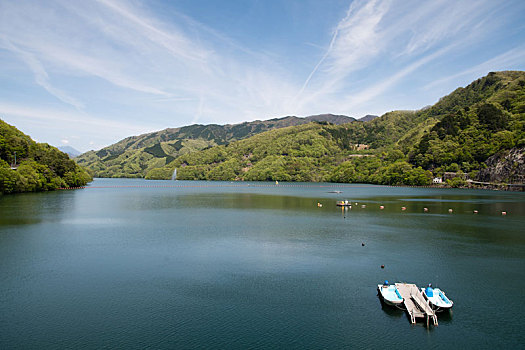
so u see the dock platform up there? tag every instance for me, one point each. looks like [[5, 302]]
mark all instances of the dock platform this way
[[416, 305]]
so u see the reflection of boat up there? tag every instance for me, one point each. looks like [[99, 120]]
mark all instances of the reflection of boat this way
[[334, 191], [437, 298], [343, 204], [389, 294]]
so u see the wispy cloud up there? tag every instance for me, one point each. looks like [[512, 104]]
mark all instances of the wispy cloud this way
[[61, 116], [32, 119], [511, 58], [40, 74], [122, 60], [355, 39], [379, 43]]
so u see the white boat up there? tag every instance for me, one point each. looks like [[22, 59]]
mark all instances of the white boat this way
[[389, 294], [437, 298]]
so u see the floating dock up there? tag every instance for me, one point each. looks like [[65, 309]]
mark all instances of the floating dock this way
[[415, 304]]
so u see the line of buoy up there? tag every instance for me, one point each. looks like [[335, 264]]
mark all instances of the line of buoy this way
[[425, 209]]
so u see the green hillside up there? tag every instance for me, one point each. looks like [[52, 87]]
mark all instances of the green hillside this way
[[456, 134], [135, 156], [38, 167]]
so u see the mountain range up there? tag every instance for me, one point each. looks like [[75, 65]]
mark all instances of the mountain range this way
[[457, 134], [471, 133], [135, 156]]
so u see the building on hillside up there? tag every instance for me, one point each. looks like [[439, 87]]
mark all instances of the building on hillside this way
[[360, 146], [437, 180]]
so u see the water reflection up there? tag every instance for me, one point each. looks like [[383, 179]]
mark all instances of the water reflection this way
[[32, 208]]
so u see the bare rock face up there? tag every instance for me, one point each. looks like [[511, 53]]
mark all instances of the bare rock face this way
[[507, 166]]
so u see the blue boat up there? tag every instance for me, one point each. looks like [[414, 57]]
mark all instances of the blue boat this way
[[389, 294], [437, 298]]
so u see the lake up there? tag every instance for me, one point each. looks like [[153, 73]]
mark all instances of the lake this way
[[134, 264]]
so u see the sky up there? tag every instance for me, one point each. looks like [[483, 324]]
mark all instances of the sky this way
[[88, 73]]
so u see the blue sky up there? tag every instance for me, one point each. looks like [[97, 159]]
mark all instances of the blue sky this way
[[89, 73]]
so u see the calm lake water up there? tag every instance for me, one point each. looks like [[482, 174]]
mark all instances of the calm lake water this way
[[163, 265]]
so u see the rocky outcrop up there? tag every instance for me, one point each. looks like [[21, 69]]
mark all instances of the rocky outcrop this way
[[507, 166]]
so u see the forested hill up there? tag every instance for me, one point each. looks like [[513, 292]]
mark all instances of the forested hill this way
[[38, 167], [457, 135], [136, 155]]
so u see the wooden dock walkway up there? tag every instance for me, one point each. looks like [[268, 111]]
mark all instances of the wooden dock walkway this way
[[415, 303]]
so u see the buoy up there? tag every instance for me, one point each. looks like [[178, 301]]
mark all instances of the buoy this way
[[382, 266], [362, 244], [381, 207], [363, 206], [425, 209], [503, 213], [403, 208], [475, 211], [450, 210]]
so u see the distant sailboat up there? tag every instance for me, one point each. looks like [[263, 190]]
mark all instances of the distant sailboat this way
[[174, 175]]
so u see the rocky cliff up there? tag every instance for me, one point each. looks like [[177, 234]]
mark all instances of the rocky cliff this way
[[507, 166]]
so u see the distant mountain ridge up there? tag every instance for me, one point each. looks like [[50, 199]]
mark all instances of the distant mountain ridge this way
[[70, 151], [368, 118], [134, 156]]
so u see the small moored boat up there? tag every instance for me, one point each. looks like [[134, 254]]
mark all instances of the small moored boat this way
[[437, 298], [343, 204], [389, 294]]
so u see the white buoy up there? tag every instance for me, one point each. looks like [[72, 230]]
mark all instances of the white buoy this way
[[403, 208], [475, 211], [381, 207], [503, 213], [450, 210], [363, 206], [425, 209]]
